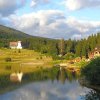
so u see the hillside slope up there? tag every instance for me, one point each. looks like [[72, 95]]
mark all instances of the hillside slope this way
[[39, 44], [9, 33]]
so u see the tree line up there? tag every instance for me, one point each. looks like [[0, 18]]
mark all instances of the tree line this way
[[61, 47], [48, 46]]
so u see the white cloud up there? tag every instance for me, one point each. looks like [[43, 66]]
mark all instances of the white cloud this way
[[77, 36], [83, 28], [38, 2], [8, 7], [37, 23], [33, 3], [79, 4], [54, 24], [83, 25], [47, 91]]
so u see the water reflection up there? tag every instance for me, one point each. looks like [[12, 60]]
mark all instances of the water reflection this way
[[51, 84], [47, 91], [52, 74], [62, 75]]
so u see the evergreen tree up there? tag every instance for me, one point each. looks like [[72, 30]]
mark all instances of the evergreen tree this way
[[62, 47]]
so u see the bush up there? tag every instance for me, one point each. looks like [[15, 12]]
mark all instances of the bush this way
[[56, 57], [92, 95], [8, 67], [92, 71], [19, 51], [8, 59], [69, 56]]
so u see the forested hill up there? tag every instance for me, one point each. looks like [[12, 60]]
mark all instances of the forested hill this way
[[13, 34], [9, 33], [29, 42]]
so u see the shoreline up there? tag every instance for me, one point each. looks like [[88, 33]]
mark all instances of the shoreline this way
[[85, 83], [6, 85]]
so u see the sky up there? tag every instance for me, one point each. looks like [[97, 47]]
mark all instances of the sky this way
[[66, 19]]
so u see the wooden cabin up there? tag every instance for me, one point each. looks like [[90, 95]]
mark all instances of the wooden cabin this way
[[94, 53]]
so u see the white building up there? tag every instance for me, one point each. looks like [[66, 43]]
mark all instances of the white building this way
[[16, 45], [16, 77]]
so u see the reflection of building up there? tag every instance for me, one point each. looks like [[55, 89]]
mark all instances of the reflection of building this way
[[94, 53], [15, 45], [16, 77]]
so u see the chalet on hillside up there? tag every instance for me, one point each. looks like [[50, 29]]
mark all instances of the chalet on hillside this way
[[15, 45], [94, 53]]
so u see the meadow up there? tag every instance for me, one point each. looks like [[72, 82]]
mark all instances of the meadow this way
[[13, 60]]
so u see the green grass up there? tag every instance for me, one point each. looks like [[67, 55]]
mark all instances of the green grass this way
[[81, 63], [26, 61]]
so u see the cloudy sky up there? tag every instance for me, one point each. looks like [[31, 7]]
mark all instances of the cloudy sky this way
[[74, 19]]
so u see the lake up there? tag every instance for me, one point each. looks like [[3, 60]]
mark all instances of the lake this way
[[64, 87]]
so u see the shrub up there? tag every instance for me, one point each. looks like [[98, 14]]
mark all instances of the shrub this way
[[92, 95], [19, 51], [8, 59], [8, 67], [92, 71], [69, 56], [56, 57]]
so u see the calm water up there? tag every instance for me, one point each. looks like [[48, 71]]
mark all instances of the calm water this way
[[62, 88]]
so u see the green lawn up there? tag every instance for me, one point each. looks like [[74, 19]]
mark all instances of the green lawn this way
[[25, 61]]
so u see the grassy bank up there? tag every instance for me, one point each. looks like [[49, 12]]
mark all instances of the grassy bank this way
[[25, 61]]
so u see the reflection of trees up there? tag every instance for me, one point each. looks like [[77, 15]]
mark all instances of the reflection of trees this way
[[92, 95], [63, 75], [41, 75], [71, 76], [50, 74]]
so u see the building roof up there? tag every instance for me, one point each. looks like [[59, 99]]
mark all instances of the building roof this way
[[13, 44], [96, 49]]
